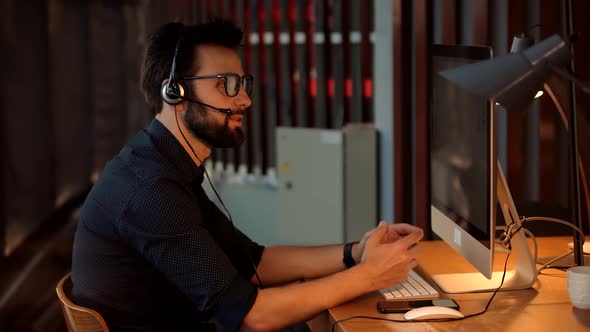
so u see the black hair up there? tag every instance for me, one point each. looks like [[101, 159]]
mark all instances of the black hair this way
[[160, 51]]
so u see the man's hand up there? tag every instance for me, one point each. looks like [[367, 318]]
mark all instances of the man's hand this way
[[390, 260], [394, 232]]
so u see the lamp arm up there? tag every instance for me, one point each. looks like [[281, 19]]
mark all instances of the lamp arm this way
[[567, 75]]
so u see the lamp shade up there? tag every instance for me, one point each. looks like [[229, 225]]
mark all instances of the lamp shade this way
[[513, 79]]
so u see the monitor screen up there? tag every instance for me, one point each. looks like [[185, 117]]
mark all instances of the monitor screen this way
[[462, 160]]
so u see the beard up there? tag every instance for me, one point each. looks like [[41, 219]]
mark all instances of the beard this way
[[198, 121]]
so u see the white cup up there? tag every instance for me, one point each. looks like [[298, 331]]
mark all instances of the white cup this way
[[578, 286]]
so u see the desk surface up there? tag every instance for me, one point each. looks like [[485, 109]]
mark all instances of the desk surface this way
[[544, 307]]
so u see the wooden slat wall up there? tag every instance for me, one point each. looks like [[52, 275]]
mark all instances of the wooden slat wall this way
[[366, 14], [28, 165], [412, 39], [254, 121], [480, 26], [581, 56], [70, 62], [236, 12], [515, 119], [422, 42], [449, 21], [402, 119], [553, 136]]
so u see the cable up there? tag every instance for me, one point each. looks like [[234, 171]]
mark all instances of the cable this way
[[506, 237], [431, 320], [535, 245], [528, 232], [536, 255], [584, 86], [547, 265], [560, 221], [218, 197]]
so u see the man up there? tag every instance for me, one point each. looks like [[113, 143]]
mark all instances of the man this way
[[152, 252]]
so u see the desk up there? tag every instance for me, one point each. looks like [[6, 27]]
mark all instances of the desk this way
[[544, 307]]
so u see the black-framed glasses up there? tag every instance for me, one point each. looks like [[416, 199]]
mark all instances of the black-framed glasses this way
[[231, 82]]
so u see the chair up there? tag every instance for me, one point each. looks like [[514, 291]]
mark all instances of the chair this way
[[78, 318]]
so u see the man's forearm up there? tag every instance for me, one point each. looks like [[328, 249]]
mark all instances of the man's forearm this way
[[280, 307], [288, 263]]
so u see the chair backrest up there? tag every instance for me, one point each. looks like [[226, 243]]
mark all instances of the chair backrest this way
[[78, 318]]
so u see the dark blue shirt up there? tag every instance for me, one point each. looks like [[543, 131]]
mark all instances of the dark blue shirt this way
[[152, 252]]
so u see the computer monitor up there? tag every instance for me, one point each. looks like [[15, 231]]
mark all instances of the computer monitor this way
[[466, 179]]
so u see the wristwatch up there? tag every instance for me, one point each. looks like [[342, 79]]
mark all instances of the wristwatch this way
[[347, 255]]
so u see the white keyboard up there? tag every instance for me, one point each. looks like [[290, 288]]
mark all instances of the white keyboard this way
[[414, 288]]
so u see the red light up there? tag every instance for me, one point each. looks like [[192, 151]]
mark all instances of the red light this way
[[368, 88], [331, 87], [348, 87], [313, 87]]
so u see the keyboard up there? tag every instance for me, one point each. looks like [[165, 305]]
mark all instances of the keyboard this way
[[414, 288]]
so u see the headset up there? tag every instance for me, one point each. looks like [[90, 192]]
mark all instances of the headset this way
[[173, 91]]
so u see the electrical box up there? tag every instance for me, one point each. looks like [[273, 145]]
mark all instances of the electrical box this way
[[327, 184]]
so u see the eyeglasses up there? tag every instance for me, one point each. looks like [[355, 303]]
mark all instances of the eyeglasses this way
[[231, 82]]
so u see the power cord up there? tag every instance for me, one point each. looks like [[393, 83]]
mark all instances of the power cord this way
[[547, 265], [556, 220]]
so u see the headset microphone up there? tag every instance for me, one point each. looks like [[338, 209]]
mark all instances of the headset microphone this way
[[225, 111]]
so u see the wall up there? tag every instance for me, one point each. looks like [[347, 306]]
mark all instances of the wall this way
[[253, 206]]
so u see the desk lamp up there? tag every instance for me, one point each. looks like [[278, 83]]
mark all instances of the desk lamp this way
[[520, 42], [512, 81]]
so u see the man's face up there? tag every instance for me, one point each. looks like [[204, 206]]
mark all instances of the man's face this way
[[212, 126]]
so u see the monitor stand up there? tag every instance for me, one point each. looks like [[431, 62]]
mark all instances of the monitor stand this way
[[524, 273]]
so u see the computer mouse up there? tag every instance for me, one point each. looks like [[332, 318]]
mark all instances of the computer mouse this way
[[432, 312]]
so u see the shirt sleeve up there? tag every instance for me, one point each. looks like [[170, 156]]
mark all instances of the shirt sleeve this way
[[254, 248], [163, 222]]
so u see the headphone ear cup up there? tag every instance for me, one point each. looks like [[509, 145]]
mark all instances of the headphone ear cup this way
[[172, 93]]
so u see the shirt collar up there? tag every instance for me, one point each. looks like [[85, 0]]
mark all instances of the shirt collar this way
[[171, 148]]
